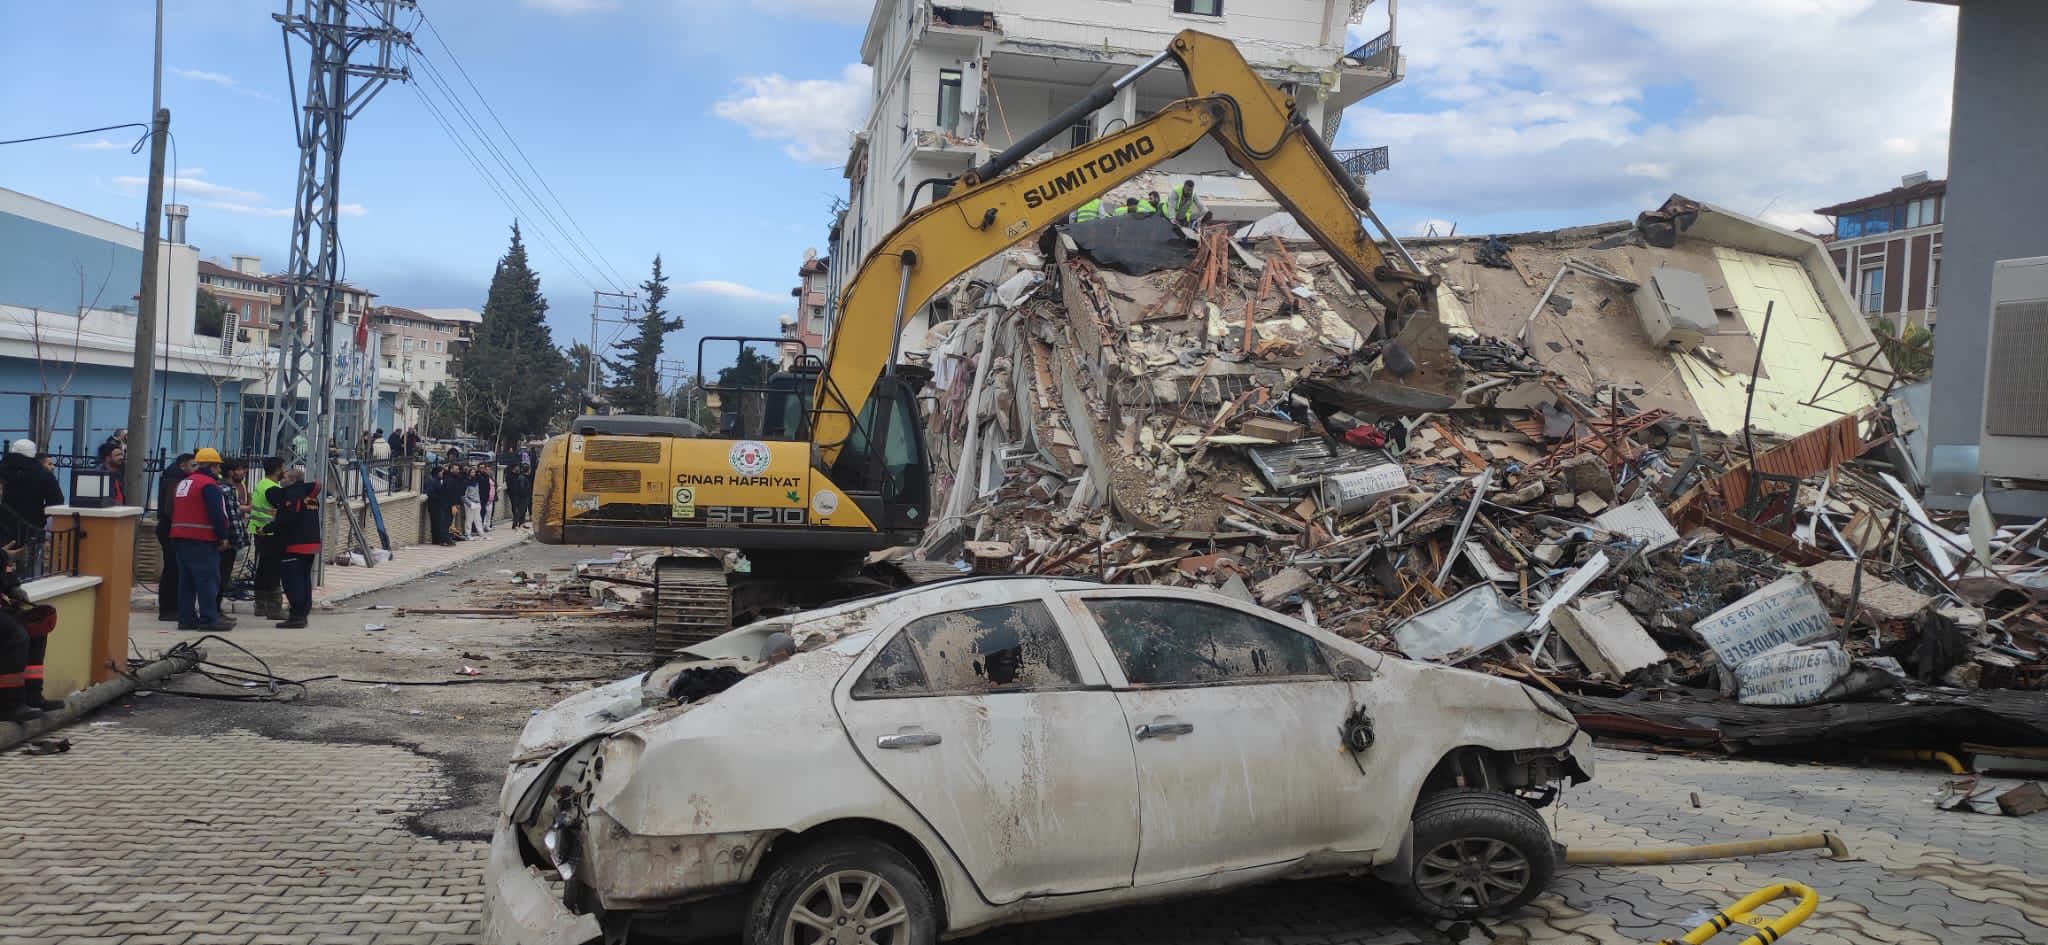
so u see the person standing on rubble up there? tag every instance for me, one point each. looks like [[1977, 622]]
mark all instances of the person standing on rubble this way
[[297, 526], [1182, 206]]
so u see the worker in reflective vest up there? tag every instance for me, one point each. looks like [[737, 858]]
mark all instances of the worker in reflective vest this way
[[200, 532], [1091, 210], [269, 553], [1182, 206]]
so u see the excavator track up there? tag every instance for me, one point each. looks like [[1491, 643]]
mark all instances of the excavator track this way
[[692, 601]]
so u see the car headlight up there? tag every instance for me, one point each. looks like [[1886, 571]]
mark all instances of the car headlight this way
[[560, 841]]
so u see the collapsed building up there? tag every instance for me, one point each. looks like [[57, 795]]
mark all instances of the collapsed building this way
[[1673, 490]]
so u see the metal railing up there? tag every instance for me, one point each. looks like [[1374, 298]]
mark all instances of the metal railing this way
[[1358, 162], [38, 551], [1372, 47]]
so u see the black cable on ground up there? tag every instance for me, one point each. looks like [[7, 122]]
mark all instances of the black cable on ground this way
[[475, 680]]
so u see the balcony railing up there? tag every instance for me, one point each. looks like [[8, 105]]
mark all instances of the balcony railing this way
[[1373, 47], [1358, 162]]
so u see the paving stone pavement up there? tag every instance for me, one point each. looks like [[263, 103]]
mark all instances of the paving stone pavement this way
[[137, 837]]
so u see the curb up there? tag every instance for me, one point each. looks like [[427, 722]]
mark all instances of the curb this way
[[84, 702], [457, 562]]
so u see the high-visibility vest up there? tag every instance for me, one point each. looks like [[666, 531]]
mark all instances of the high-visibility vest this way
[[1181, 208], [189, 518], [1144, 206], [261, 512], [1088, 211]]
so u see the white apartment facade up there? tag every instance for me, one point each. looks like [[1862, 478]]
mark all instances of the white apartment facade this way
[[956, 83]]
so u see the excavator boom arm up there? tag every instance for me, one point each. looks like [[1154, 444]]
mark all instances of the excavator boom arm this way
[[992, 211]]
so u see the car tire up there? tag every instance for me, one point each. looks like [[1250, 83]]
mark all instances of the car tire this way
[[835, 892], [1476, 853]]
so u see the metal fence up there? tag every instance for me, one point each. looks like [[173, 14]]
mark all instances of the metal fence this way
[[37, 551], [1358, 162]]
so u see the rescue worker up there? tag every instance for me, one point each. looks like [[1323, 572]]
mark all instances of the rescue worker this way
[[297, 525], [1182, 206], [15, 647], [269, 553], [200, 533], [167, 560], [1092, 210]]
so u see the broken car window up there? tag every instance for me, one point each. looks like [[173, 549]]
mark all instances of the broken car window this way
[[893, 673], [1009, 647], [1162, 642]]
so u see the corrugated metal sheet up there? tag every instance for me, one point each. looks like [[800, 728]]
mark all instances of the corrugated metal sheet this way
[[1298, 466]]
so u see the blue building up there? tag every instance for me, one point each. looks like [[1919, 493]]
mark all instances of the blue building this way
[[69, 292]]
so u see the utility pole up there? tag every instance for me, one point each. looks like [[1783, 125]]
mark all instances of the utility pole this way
[[625, 303], [314, 271], [147, 310]]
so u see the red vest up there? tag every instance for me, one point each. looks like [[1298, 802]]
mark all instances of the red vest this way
[[188, 508]]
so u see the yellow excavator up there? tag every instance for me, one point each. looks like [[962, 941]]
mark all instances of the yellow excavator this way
[[826, 462]]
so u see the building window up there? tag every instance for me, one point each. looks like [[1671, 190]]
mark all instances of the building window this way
[[949, 99], [1080, 134], [1199, 7], [1923, 212], [1873, 291]]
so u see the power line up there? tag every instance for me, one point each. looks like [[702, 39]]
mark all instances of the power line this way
[[74, 134], [490, 180], [584, 247], [537, 176], [462, 111]]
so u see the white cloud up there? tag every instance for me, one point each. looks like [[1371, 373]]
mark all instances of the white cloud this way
[[844, 11], [814, 118], [1568, 109], [732, 290], [97, 144], [190, 186], [573, 7], [200, 75]]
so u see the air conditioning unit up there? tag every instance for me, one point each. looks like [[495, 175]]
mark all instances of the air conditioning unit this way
[[2015, 439], [1674, 309]]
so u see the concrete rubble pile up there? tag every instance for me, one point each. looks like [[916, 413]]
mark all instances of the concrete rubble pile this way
[[1606, 513]]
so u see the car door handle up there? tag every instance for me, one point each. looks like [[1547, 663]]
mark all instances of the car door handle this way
[[1165, 729], [908, 740]]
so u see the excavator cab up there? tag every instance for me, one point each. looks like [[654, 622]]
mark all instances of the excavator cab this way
[[883, 465]]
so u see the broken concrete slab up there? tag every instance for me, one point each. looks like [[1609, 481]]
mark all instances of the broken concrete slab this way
[[1606, 637], [1283, 585]]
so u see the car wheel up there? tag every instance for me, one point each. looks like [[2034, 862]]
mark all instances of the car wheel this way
[[1477, 853], [843, 892]]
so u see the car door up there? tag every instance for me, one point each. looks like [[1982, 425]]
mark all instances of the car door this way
[[1005, 738], [1236, 726]]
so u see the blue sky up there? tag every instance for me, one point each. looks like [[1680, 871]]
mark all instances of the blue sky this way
[[712, 132]]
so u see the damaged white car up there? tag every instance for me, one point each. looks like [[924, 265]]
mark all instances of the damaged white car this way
[[955, 756]]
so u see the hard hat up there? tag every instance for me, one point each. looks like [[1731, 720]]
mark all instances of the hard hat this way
[[23, 448], [206, 454]]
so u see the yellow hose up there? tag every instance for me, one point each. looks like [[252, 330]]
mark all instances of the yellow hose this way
[[1744, 913], [1913, 754], [1656, 856]]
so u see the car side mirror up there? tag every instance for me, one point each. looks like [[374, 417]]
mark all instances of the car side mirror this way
[[1351, 669]]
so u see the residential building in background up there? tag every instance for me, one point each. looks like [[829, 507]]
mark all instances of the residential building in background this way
[[416, 350], [1991, 212], [806, 327], [1887, 248], [954, 84], [68, 304], [255, 301]]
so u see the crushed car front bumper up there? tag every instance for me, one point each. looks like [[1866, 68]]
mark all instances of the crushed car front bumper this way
[[522, 908]]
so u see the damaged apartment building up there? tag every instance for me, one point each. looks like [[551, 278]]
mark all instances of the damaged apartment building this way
[[954, 84], [1675, 486]]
